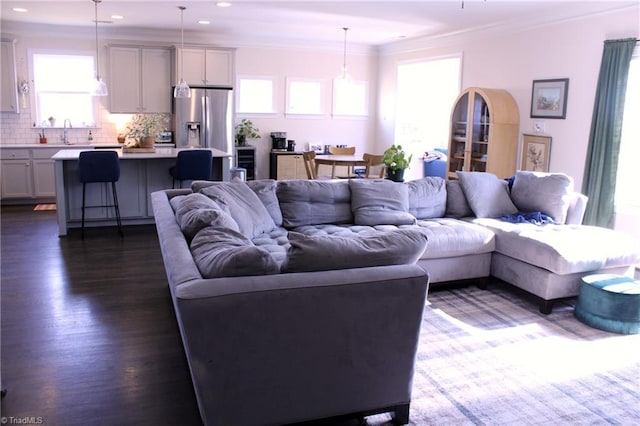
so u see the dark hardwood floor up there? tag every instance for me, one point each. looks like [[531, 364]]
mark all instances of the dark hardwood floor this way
[[88, 330]]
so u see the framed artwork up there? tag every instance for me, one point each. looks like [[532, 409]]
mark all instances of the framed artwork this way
[[536, 150], [549, 98]]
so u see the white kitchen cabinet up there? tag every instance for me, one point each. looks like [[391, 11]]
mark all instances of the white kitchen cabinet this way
[[8, 78], [16, 179], [206, 66], [28, 173], [44, 184], [140, 79]]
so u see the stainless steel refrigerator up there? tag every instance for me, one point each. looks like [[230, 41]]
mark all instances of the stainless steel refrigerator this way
[[205, 119]]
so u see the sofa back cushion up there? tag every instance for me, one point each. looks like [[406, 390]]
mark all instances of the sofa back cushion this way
[[265, 189], [197, 211], [243, 205], [457, 205], [427, 197], [380, 202], [223, 252], [487, 195], [548, 193], [314, 202], [329, 252]]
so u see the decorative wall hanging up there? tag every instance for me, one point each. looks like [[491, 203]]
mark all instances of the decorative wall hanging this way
[[549, 98]]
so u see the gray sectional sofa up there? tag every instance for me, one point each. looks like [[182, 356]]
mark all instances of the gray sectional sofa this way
[[299, 300]]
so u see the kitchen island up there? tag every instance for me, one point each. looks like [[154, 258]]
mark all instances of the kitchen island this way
[[140, 175]]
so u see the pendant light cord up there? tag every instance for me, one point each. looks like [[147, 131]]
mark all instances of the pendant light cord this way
[[182, 8], [344, 54], [95, 2]]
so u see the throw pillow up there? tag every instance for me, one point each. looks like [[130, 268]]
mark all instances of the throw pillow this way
[[223, 252], [196, 211], [324, 252], [427, 197], [243, 205], [548, 193], [457, 205], [380, 202], [486, 194]]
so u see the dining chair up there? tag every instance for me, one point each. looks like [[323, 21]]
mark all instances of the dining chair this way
[[193, 164], [375, 163], [100, 167], [310, 164], [346, 150]]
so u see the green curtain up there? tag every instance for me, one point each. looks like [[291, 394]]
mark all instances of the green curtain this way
[[601, 167]]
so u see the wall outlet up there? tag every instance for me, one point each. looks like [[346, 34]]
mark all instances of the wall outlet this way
[[538, 126]]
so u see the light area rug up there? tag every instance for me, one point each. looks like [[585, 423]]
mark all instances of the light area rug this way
[[488, 357]]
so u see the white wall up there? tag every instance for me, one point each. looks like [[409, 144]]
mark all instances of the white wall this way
[[570, 49], [325, 130]]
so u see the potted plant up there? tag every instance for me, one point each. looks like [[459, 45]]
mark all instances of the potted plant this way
[[396, 161], [143, 129], [244, 131]]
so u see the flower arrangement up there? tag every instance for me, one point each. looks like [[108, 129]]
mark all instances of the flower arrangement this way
[[396, 159], [244, 130], [145, 125]]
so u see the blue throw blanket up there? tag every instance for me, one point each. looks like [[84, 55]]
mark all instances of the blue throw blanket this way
[[537, 218]]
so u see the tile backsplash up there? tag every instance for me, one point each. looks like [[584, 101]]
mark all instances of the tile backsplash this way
[[18, 129]]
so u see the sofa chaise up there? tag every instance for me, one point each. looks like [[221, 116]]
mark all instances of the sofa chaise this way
[[299, 300]]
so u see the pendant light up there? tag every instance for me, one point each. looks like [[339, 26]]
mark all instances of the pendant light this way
[[182, 90], [344, 75], [99, 88]]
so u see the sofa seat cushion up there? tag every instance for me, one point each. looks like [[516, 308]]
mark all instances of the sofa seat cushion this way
[[447, 237], [309, 253], [563, 249], [275, 242], [223, 252]]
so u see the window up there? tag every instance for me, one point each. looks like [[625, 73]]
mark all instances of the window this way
[[425, 95], [255, 95], [627, 201], [304, 96], [62, 89], [350, 98]]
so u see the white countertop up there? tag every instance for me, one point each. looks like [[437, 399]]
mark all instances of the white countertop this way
[[59, 146], [73, 154]]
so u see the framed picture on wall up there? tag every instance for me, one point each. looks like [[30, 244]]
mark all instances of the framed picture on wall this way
[[549, 98], [536, 151]]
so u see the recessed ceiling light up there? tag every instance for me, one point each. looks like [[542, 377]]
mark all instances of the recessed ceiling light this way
[[204, 22], [223, 4], [20, 9], [117, 17]]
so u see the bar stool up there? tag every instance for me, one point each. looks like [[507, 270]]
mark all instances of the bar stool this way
[[193, 164], [100, 167]]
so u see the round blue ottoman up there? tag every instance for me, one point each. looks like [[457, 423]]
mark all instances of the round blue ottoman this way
[[610, 302]]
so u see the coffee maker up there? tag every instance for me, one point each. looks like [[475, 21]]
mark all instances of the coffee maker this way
[[279, 141]]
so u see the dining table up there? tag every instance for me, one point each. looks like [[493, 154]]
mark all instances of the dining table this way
[[334, 161]]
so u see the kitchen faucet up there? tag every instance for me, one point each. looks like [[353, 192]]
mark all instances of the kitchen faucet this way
[[65, 138]]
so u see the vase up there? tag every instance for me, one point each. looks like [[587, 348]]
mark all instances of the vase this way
[[396, 175], [241, 140]]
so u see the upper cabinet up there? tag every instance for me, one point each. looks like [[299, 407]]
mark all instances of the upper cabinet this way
[[484, 133], [8, 78], [140, 79], [204, 66]]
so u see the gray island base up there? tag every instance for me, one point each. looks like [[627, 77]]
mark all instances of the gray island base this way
[[140, 175]]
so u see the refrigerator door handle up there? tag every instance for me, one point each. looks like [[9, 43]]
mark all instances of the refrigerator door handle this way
[[205, 121]]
